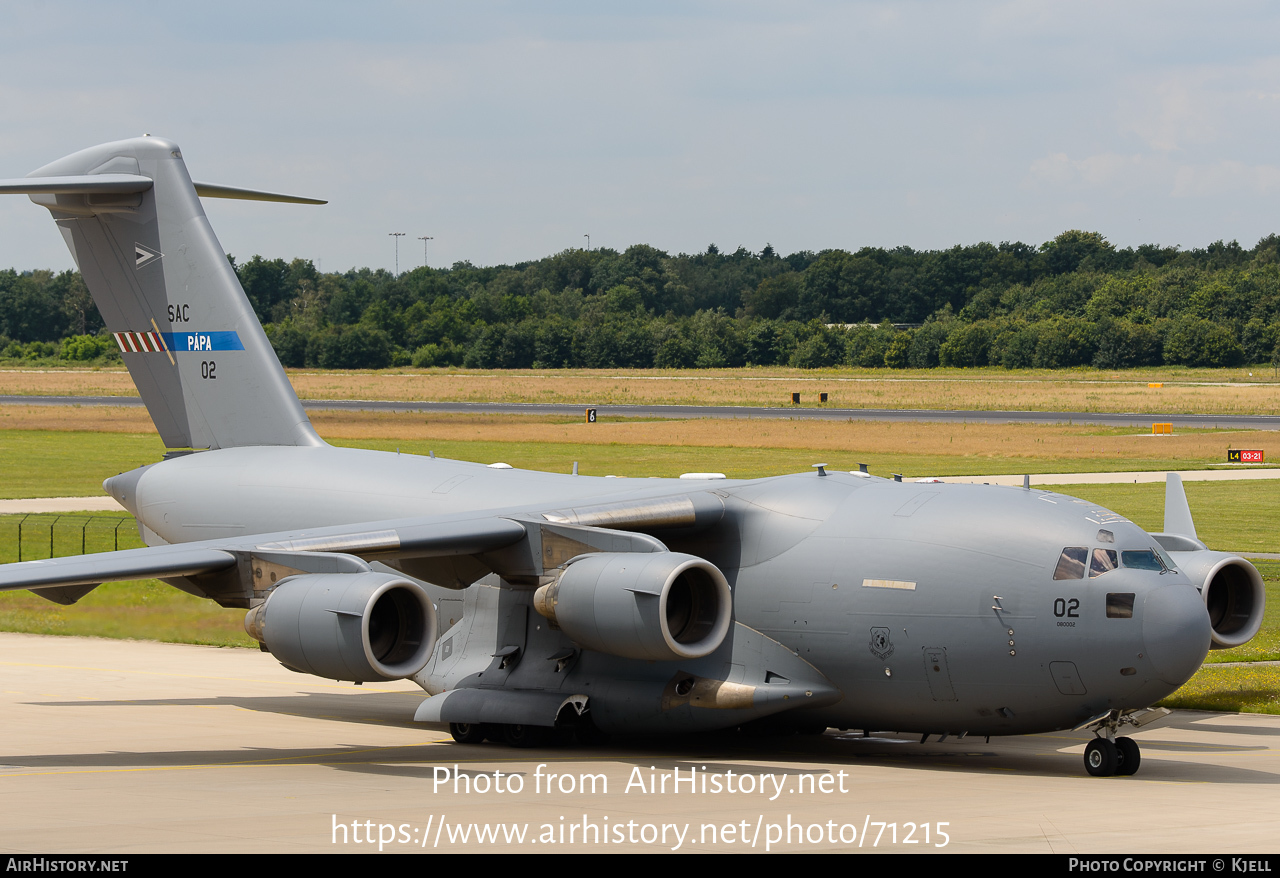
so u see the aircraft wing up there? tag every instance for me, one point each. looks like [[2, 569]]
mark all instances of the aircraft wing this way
[[151, 563], [391, 539], [398, 539]]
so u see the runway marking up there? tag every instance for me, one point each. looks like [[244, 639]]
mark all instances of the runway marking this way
[[356, 689], [277, 760]]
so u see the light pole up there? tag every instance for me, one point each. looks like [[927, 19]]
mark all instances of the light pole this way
[[424, 250], [397, 236], [588, 237]]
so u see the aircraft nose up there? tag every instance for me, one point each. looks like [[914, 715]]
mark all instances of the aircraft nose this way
[[1176, 632]]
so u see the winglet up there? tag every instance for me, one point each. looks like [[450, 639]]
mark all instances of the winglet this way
[[1177, 514]]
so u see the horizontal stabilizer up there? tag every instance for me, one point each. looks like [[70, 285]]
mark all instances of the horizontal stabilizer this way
[[84, 184], [209, 190], [125, 184]]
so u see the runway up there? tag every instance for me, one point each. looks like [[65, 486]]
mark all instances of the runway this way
[[116, 747], [1179, 421]]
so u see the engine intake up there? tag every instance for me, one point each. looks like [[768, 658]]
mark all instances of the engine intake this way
[[1233, 594], [364, 627], [660, 607]]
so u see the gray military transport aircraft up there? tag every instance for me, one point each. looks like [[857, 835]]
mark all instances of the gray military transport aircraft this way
[[538, 607]]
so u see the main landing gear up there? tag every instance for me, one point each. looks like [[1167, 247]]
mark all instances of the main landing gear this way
[[513, 734], [583, 732]]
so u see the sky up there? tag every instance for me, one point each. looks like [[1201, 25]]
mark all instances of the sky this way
[[511, 131]]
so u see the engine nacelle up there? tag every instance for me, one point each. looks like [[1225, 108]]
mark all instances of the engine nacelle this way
[[1233, 594], [663, 606], [364, 627]]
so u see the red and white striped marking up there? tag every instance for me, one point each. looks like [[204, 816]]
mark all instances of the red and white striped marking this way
[[139, 342]]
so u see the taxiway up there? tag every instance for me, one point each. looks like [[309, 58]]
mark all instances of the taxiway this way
[[971, 416], [126, 747]]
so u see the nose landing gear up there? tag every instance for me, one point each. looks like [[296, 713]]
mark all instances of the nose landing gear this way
[[1108, 755], [1130, 756], [1104, 758]]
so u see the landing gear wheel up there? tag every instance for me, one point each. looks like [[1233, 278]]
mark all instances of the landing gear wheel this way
[[518, 735], [1101, 758], [1130, 756], [467, 733]]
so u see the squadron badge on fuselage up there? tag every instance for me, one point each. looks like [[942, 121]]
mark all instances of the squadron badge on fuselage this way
[[881, 646]]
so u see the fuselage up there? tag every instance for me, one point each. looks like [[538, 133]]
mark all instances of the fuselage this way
[[931, 607]]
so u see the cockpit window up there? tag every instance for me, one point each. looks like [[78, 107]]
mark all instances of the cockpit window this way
[[1143, 559], [1071, 563], [1104, 561]]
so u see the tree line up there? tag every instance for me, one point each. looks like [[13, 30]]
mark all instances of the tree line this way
[[1074, 301]]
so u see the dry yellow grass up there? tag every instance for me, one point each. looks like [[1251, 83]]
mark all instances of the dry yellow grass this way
[[1219, 391], [66, 382], [1030, 441], [99, 419], [906, 437]]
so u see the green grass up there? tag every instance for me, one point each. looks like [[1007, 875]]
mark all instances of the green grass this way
[[643, 461], [1253, 689], [50, 463], [51, 535], [146, 610], [55, 463]]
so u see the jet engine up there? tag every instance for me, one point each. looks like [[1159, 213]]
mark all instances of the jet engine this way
[[1230, 586], [1232, 590], [363, 627], [663, 606]]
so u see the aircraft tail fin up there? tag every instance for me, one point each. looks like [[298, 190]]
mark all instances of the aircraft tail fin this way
[[132, 217], [1177, 512]]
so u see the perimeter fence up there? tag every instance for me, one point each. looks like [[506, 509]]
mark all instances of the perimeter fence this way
[[40, 535]]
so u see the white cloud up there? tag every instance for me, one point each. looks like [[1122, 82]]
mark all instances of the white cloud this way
[[1108, 169], [1152, 173], [1225, 179], [509, 131]]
